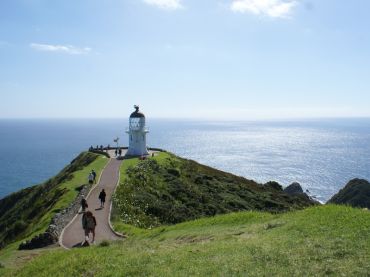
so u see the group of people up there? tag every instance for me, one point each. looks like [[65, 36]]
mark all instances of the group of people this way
[[88, 219], [118, 152], [99, 148]]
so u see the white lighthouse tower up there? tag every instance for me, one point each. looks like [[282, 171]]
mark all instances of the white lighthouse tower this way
[[137, 134]]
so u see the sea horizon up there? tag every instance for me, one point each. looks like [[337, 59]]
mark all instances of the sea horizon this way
[[322, 155], [210, 119]]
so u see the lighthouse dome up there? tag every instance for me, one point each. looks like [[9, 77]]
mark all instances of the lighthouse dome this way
[[137, 113]]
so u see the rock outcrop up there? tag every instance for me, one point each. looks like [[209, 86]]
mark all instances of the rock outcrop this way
[[41, 240], [356, 194], [294, 188]]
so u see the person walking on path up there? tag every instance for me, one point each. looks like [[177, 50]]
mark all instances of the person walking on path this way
[[83, 204], [73, 234], [102, 196], [89, 224], [91, 178], [94, 175], [120, 152]]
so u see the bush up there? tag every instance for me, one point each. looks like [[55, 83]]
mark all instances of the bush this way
[[274, 185], [19, 226], [174, 171], [176, 190], [104, 243]]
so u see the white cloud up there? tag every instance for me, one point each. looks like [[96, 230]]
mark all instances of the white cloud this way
[[67, 49], [272, 8], [165, 4]]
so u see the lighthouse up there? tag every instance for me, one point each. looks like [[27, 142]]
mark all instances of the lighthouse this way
[[137, 134]]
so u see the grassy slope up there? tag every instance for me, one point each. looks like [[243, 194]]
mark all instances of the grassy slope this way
[[318, 241], [64, 185], [171, 190]]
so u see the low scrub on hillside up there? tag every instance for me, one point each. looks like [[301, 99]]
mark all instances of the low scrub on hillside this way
[[30, 209], [169, 190], [356, 194]]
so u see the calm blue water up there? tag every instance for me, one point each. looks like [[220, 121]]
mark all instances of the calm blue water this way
[[322, 155]]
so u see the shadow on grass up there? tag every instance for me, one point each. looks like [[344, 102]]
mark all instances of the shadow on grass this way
[[81, 244]]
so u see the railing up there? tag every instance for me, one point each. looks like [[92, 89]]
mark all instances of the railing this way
[[145, 129]]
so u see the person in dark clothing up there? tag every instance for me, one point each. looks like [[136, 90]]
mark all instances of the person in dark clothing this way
[[102, 196], [120, 152], [89, 224], [83, 204]]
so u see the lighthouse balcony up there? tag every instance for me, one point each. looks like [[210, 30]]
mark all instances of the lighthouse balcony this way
[[137, 129]]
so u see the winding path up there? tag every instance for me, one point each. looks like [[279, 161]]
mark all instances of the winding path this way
[[73, 234]]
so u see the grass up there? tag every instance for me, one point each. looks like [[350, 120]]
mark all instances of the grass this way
[[37, 205], [324, 240], [70, 187], [167, 189], [318, 241]]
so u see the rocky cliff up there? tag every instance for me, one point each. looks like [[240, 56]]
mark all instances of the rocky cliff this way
[[356, 194]]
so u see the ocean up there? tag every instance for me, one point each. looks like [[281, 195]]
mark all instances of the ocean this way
[[322, 155]]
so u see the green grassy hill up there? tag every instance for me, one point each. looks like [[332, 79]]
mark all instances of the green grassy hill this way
[[167, 189], [318, 241], [28, 212], [187, 219]]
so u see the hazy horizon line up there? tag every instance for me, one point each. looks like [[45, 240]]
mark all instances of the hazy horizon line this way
[[313, 118]]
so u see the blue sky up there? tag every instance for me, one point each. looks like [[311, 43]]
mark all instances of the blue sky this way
[[220, 59]]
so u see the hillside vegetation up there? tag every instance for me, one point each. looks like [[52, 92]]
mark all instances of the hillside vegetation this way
[[318, 241], [167, 189], [186, 219], [29, 211], [356, 194]]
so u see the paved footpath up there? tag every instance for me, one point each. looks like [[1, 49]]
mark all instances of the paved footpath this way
[[73, 234]]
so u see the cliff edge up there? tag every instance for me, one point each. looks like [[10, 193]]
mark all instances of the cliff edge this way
[[356, 194]]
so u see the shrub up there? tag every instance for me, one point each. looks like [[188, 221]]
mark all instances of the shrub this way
[[176, 190], [19, 226], [274, 185], [174, 171], [104, 243]]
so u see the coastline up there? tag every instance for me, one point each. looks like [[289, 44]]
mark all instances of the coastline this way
[[321, 155]]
